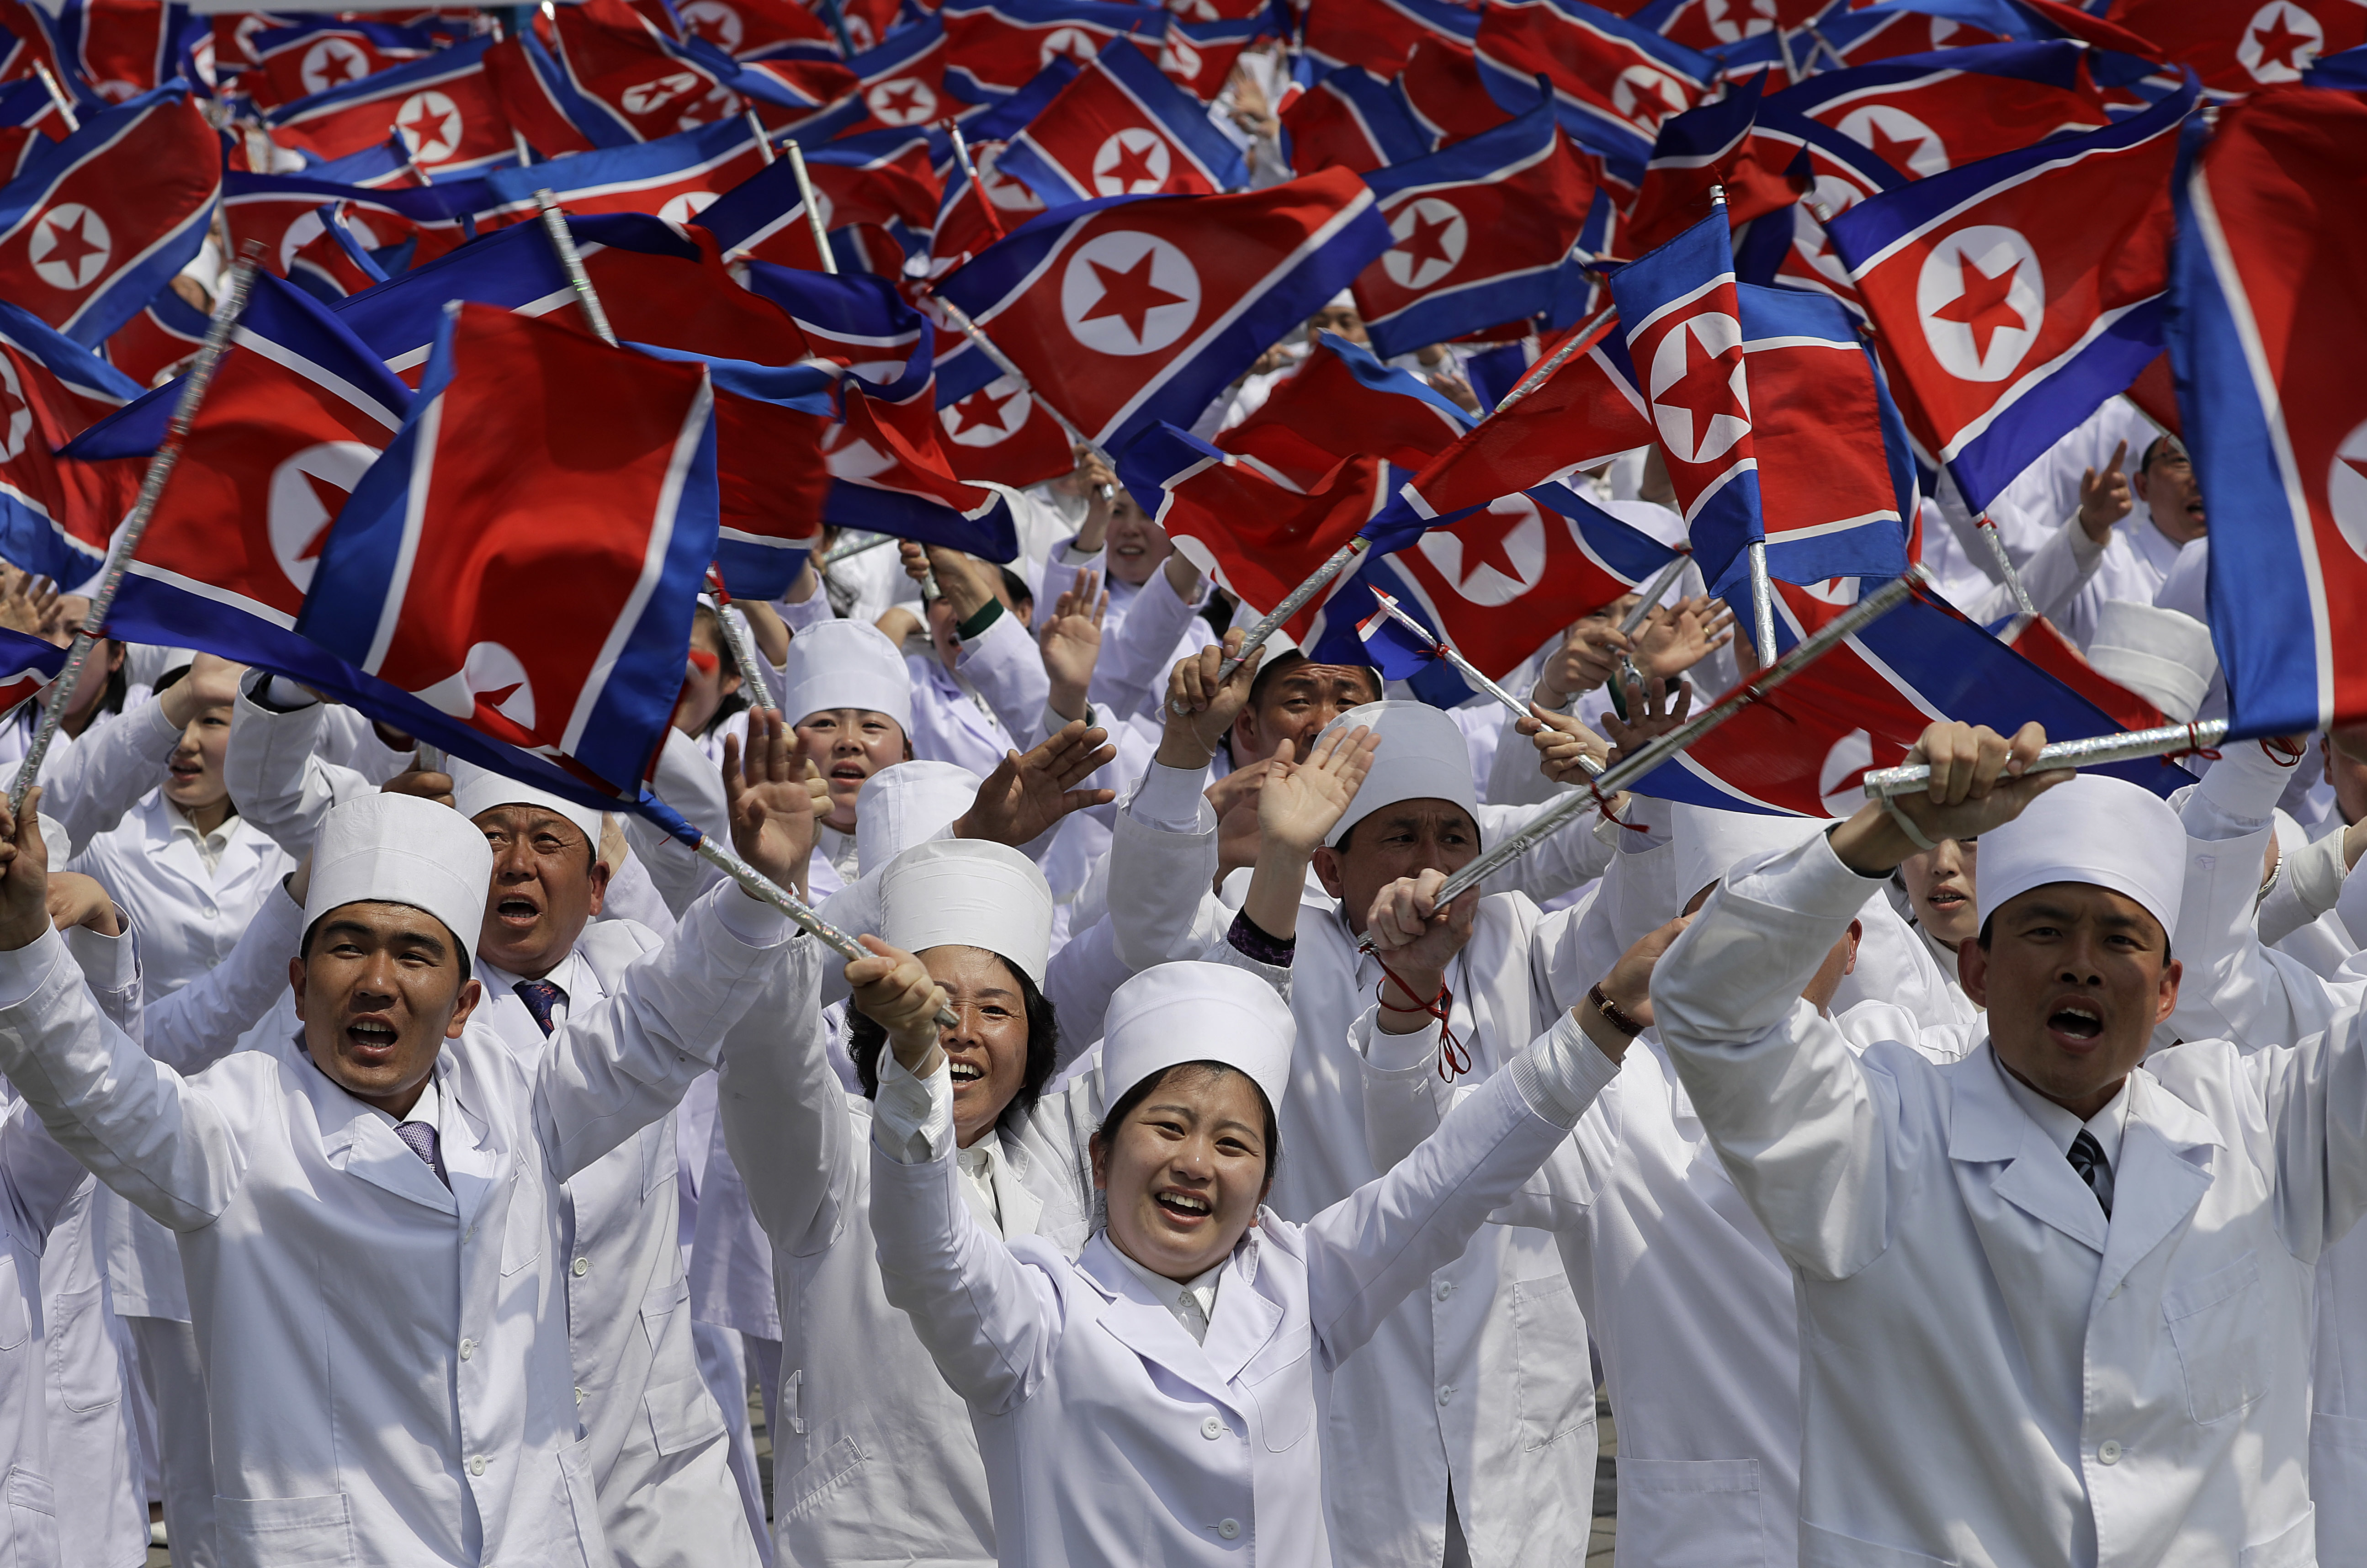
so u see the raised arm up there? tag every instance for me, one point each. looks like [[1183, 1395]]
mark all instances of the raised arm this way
[[272, 766], [197, 1025]]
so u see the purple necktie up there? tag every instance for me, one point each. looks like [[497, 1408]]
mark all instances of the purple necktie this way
[[540, 997], [420, 1138]]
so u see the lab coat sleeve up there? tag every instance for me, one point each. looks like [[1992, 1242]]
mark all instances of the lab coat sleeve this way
[[1135, 658], [1514, 776], [96, 782], [199, 1024], [1570, 857], [273, 769], [110, 967], [2052, 576], [133, 1122], [990, 1321], [2309, 883], [1003, 664], [1162, 907], [1801, 1121], [690, 783], [784, 1122], [2316, 1095], [626, 1063]]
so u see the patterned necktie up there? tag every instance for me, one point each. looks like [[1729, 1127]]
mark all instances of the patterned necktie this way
[[1189, 1314], [2086, 1158], [541, 997], [420, 1138]]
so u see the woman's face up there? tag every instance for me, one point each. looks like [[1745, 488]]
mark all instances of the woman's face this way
[[1138, 547], [1185, 1171], [193, 778], [1939, 888], [988, 1049], [849, 745], [708, 678]]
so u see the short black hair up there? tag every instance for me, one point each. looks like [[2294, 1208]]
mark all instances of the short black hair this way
[[1016, 586], [1131, 1102], [866, 1038], [1291, 659]]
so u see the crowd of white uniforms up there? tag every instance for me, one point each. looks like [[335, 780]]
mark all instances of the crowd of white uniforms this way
[[404, 1166]]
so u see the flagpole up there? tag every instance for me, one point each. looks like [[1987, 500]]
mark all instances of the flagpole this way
[[732, 623], [2095, 751], [969, 170], [1988, 530], [813, 213], [58, 97], [1553, 362], [764, 141], [227, 308], [1469, 671], [1630, 769], [1292, 603], [1762, 602], [554, 224]]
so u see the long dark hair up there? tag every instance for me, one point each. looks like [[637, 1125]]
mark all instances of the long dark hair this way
[[866, 1038]]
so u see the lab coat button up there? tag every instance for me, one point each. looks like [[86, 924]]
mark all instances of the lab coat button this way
[[579, 1396], [582, 1267], [1213, 1427], [2108, 1451], [1229, 1529], [468, 1349], [210, 911], [1444, 1288], [477, 1465], [1445, 1391]]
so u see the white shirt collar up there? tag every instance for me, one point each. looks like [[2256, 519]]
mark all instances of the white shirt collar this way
[[572, 976], [2156, 548], [209, 846], [1200, 1290], [982, 1169], [2062, 1126]]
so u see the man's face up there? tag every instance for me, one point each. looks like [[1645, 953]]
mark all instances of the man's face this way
[[1341, 319], [2075, 977], [2167, 484], [379, 991], [1296, 704], [1138, 547], [546, 886], [1403, 840]]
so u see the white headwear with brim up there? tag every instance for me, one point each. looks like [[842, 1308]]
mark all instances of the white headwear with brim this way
[[900, 806], [845, 664], [1173, 1014], [400, 849], [2097, 830], [476, 789], [2162, 656], [1709, 841], [971, 893], [1422, 757]]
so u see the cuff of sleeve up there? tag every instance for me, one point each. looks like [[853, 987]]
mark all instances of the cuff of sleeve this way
[[157, 733], [975, 628], [1389, 1053], [1560, 1075], [1167, 799], [2316, 874], [2239, 795], [912, 1119], [277, 694], [750, 920], [2084, 550], [22, 971], [1253, 942]]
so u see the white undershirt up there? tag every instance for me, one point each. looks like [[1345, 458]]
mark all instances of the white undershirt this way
[[1193, 1301]]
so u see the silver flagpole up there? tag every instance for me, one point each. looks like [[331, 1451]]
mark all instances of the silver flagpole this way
[[554, 224], [1642, 611], [813, 213], [1292, 603], [1468, 669], [1988, 530], [854, 543], [2095, 751]]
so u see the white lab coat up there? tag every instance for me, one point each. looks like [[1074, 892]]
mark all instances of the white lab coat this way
[[1109, 1435], [190, 919], [1993, 1372], [387, 1359]]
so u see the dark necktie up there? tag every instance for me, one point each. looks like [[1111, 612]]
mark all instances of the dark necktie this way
[[420, 1138], [541, 997], [2086, 1158]]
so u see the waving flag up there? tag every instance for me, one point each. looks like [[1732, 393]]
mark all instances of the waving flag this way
[[159, 341], [1341, 401], [1131, 309], [56, 513], [2241, 49], [993, 47], [443, 106], [968, 220], [891, 473], [620, 67], [103, 53], [312, 57], [758, 29], [539, 466], [1613, 81], [674, 177], [902, 81], [543, 105], [1442, 89], [999, 432], [1199, 57], [30, 122], [27, 664], [2006, 325], [1482, 229], [2266, 354], [1355, 120], [883, 189], [282, 213], [94, 226], [1122, 128], [1380, 34]]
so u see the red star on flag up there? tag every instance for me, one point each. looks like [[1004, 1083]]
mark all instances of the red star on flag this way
[[1133, 163], [1426, 244], [1706, 389], [1983, 306], [337, 68], [1130, 296], [1483, 537], [981, 409], [902, 98], [423, 127], [68, 246], [498, 696], [1897, 152], [2279, 43], [2356, 465]]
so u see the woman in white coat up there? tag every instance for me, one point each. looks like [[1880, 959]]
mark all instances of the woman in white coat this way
[[1153, 1400]]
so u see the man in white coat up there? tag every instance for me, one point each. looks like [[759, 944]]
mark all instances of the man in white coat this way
[[2054, 1304], [373, 1226]]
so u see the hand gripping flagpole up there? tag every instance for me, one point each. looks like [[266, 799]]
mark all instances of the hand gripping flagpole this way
[[1630, 769], [1292, 603], [227, 308], [554, 224], [813, 213], [1988, 530], [2095, 751]]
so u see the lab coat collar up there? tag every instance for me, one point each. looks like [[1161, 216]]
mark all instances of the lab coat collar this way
[[357, 1140], [1986, 1126], [1245, 1319], [2161, 1176], [1022, 1208]]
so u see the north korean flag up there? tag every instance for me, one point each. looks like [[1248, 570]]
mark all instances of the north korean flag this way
[[1441, 87], [619, 65], [903, 81], [93, 225], [1354, 121], [893, 474], [281, 212], [674, 177], [1199, 57], [968, 220], [999, 432], [993, 47], [2007, 325], [538, 468], [100, 51], [27, 664], [1122, 128], [1481, 229], [56, 512], [312, 57], [1130, 309], [757, 29], [542, 103], [29, 121], [1380, 34], [2243, 48], [1339, 402], [887, 189], [156, 344], [2266, 351], [1613, 81], [856, 320], [444, 108]]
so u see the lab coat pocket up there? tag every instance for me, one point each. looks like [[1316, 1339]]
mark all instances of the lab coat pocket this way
[[2295, 1546], [682, 1414], [89, 1382], [1284, 1398], [32, 1521], [1693, 1513], [2214, 1320], [1821, 1548], [1556, 1382], [579, 1503], [287, 1532], [523, 1225]]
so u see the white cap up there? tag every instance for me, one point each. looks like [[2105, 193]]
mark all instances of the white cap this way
[[1343, 300], [476, 789], [1709, 841], [2162, 656], [971, 893], [900, 806], [1422, 757], [1197, 1012], [399, 849], [847, 664], [2096, 829]]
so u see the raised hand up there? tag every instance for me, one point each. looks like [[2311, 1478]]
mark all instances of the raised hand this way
[[1301, 802], [212, 682], [1675, 638], [419, 779], [1980, 780], [1650, 715], [895, 992], [1563, 745], [1070, 641], [1629, 989], [24, 875], [1589, 655], [2104, 498], [770, 808], [1026, 795], [1198, 710]]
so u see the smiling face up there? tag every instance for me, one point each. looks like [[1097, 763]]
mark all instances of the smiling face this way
[[1940, 887], [2166, 484], [1185, 1169], [988, 1051], [546, 886], [849, 745], [380, 987], [1137, 546], [193, 777], [1402, 840], [2074, 976]]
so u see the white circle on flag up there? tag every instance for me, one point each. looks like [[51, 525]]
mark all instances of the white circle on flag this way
[[716, 22], [1431, 235], [1709, 335], [491, 674], [2346, 490], [71, 247], [1732, 23], [1196, 10], [989, 415], [648, 98], [306, 491], [1836, 196], [1897, 137], [1005, 192], [1073, 43], [685, 205], [16, 412], [1180, 60], [1132, 161], [1645, 96], [859, 33], [1520, 543], [1126, 292], [430, 125], [333, 62], [907, 100], [1981, 299], [2279, 42], [1841, 781]]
